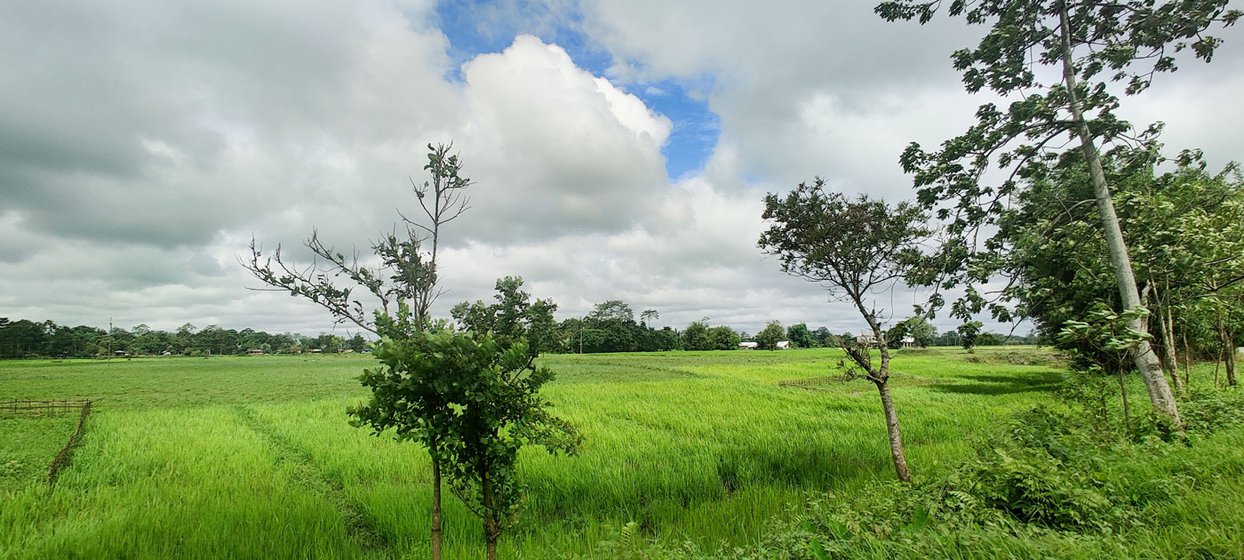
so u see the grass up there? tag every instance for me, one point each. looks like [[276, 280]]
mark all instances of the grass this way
[[252, 457], [28, 444]]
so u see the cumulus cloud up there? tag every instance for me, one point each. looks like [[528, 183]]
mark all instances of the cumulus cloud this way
[[555, 150]]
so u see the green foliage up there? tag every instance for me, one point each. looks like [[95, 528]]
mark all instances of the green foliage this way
[[1206, 412], [723, 338], [1184, 235], [494, 411], [512, 318], [769, 336], [695, 337], [1039, 473], [799, 336], [472, 397], [610, 327], [1104, 337], [969, 332], [1099, 47], [851, 246]]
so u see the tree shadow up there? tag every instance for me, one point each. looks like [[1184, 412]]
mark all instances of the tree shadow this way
[[1040, 382]]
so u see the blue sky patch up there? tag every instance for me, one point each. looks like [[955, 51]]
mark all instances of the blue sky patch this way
[[474, 28], [695, 130]]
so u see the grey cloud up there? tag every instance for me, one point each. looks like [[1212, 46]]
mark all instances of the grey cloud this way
[[150, 122], [142, 144]]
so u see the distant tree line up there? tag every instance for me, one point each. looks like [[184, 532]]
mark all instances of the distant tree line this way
[[610, 327], [25, 339]]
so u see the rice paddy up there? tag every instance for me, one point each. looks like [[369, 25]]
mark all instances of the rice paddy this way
[[252, 456]]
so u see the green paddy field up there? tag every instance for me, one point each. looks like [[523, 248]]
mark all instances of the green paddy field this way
[[252, 456]]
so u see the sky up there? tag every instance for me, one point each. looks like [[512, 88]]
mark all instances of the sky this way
[[619, 149]]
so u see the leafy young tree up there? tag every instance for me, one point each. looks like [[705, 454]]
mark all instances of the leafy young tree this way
[[473, 395], [852, 247], [1109, 333], [769, 336], [501, 412], [403, 285], [969, 333], [1091, 46]]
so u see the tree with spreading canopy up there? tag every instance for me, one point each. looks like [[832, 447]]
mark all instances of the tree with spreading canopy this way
[[854, 248], [1092, 48]]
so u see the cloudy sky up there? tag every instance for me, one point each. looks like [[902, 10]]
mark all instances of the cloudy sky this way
[[619, 148]]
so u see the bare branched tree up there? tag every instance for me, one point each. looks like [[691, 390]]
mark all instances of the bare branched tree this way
[[403, 282], [407, 267]]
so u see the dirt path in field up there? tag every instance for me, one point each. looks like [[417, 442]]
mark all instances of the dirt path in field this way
[[360, 526]]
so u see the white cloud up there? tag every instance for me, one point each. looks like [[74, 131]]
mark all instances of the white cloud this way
[[555, 150], [146, 142]]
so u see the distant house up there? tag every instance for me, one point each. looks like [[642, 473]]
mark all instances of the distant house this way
[[909, 342], [749, 345], [866, 338], [255, 351], [317, 351], [783, 345]]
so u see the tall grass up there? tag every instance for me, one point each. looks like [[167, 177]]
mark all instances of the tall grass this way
[[252, 457]]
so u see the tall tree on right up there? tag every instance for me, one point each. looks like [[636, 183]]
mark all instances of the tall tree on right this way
[[1094, 48]]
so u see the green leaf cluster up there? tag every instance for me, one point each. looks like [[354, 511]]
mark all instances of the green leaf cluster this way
[[472, 396]]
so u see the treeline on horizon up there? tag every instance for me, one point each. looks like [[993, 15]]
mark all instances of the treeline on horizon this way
[[611, 327]]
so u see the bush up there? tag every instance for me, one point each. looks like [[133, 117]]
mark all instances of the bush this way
[[1206, 412]]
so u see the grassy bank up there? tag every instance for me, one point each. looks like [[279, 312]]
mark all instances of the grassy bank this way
[[251, 457]]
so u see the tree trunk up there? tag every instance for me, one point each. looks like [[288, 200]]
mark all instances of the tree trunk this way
[[881, 378], [1227, 340], [436, 504], [1168, 341], [1187, 358], [1146, 361], [491, 528], [892, 429], [1230, 365]]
